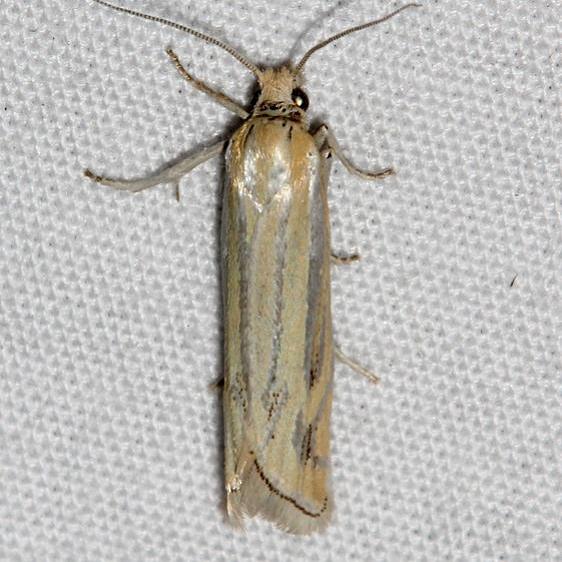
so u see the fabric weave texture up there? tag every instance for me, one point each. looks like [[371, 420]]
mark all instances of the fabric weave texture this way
[[110, 324]]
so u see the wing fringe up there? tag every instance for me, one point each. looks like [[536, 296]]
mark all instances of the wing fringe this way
[[257, 495]]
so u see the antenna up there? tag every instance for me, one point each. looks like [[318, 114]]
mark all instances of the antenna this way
[[341, 34], [251, 66]]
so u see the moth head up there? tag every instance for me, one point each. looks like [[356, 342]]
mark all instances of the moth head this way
[[281, 86]]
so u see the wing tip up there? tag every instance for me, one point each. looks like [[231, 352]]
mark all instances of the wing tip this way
[[256, 497]]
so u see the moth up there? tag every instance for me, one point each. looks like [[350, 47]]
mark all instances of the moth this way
[[276, 257]]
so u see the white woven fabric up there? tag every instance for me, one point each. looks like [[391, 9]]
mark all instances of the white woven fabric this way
[[110, 439]]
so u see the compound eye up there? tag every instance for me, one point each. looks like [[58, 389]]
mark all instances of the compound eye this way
[[300, 99]]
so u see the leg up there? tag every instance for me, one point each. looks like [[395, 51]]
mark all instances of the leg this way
[[219, 97], [217, 386], [169, 175], [325, 138], [354, 365], [344, 260]]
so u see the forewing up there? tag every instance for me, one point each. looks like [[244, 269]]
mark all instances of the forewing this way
[[278, 336]]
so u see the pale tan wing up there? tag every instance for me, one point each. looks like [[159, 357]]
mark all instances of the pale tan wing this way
[[278, 335]]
